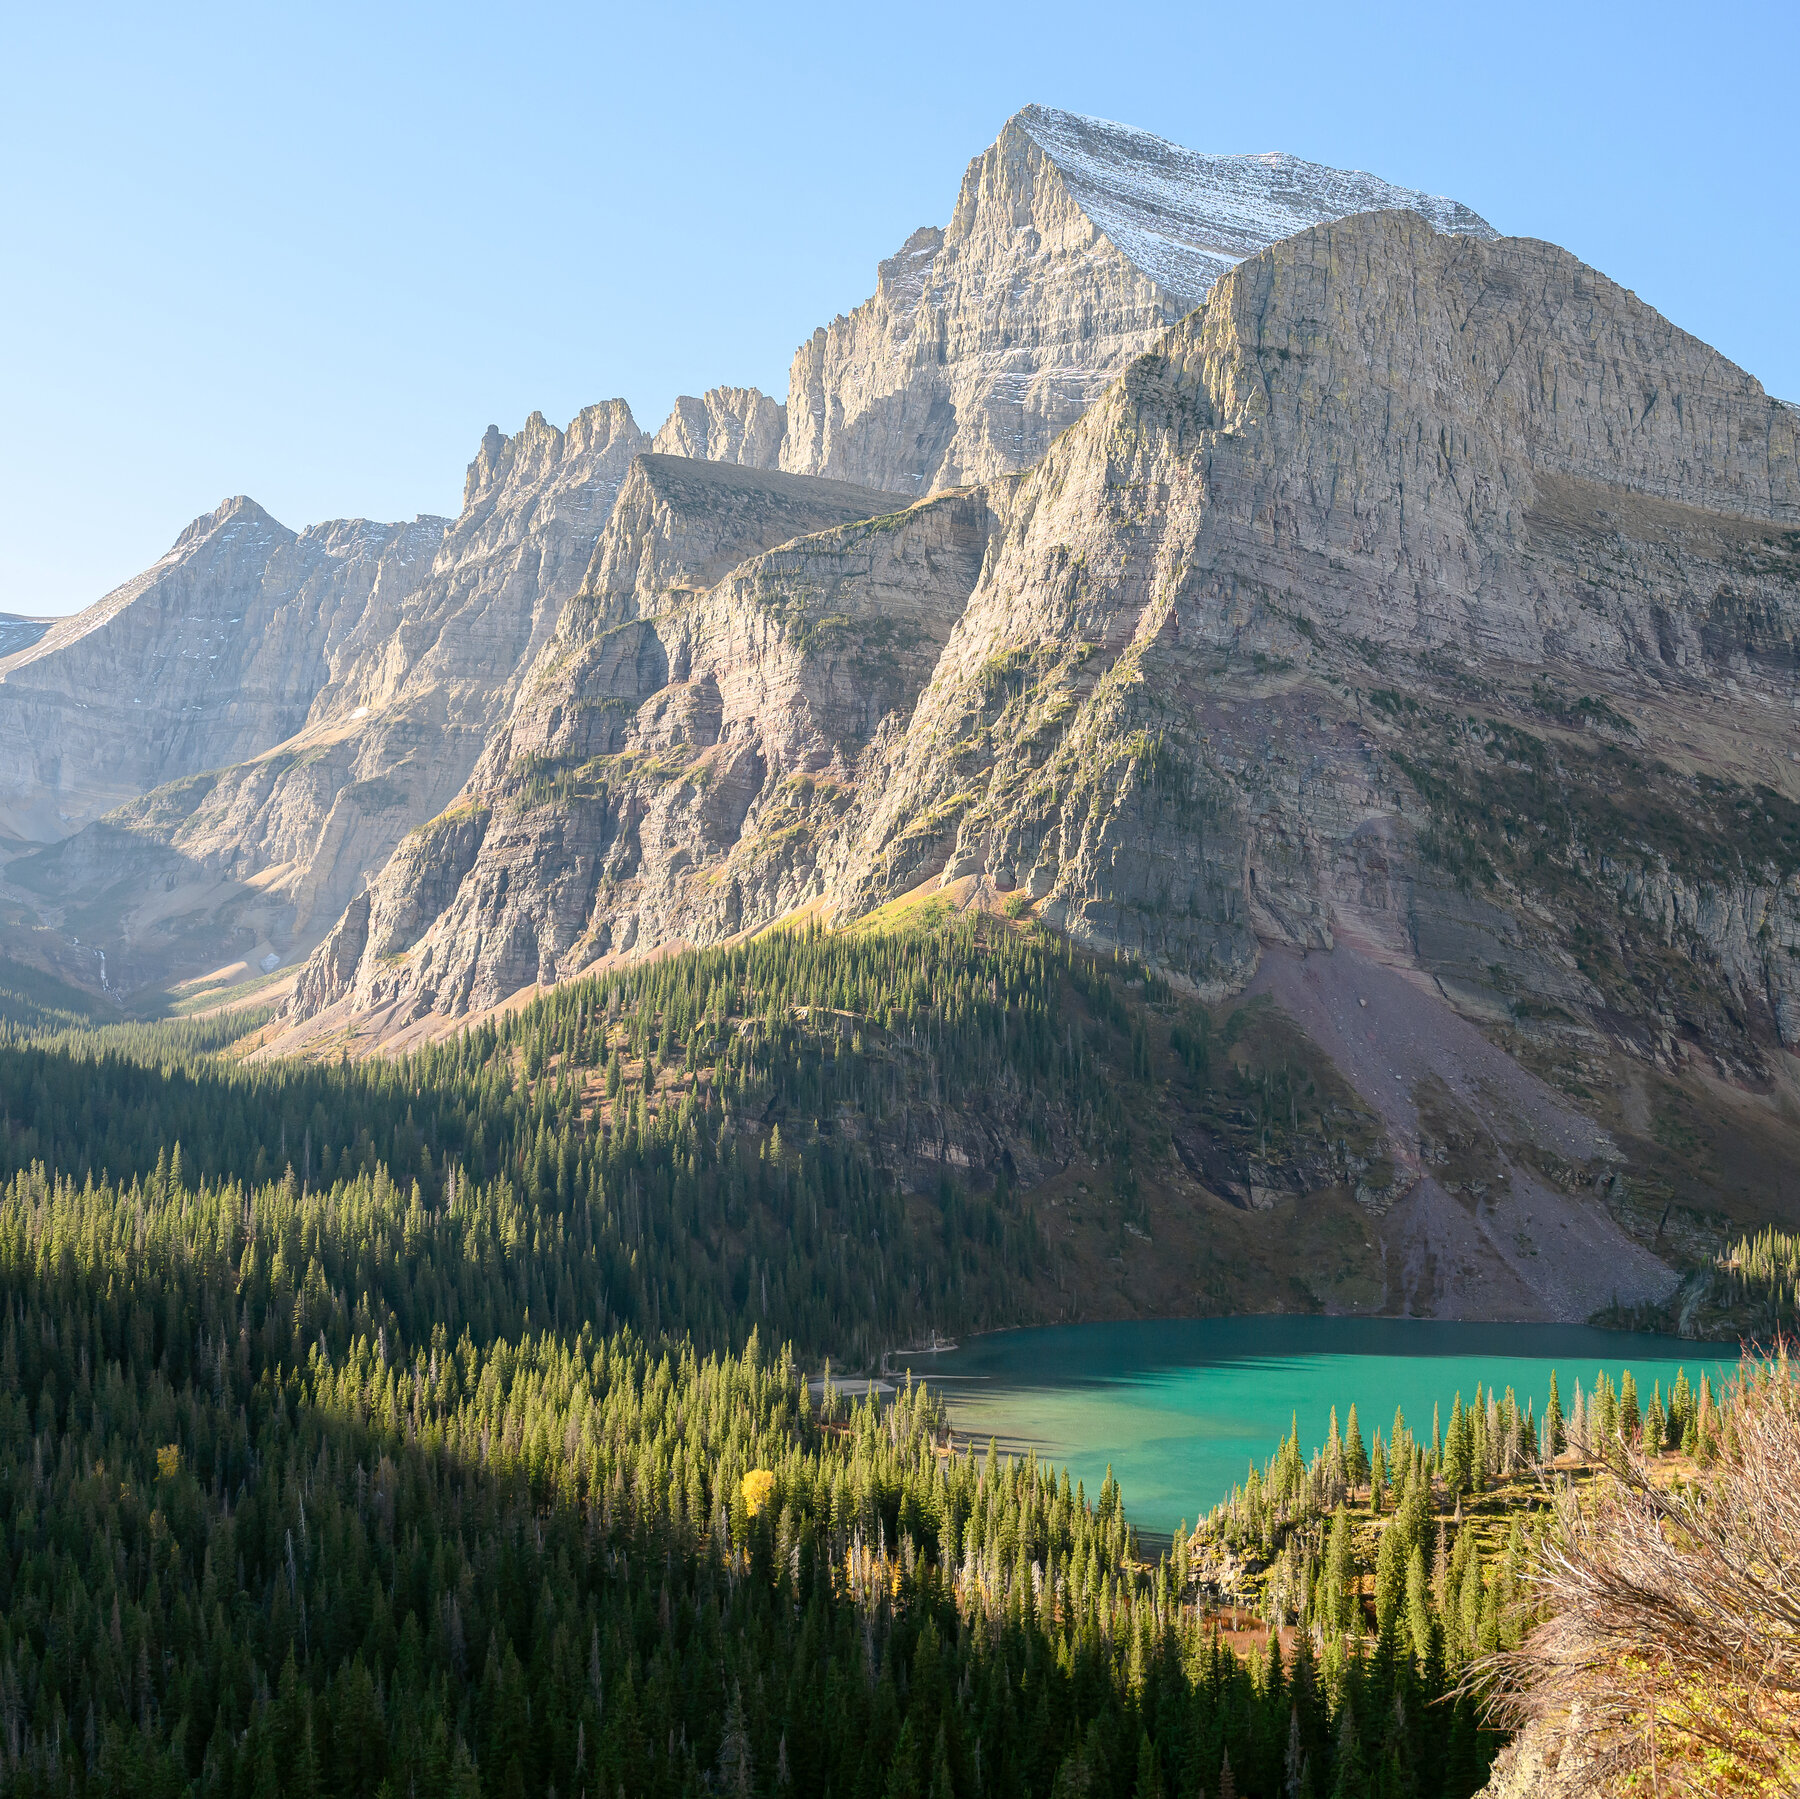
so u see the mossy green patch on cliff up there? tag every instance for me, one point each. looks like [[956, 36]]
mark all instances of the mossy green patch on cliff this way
[[1505, 801], [466, 812], [165, 809], [938, 819], [378, 795]]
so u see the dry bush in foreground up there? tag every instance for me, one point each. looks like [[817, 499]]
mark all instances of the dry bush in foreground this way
[[1670, 1663]]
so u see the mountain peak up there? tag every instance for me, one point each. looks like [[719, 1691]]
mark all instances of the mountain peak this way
[[725, 424], [237, 509], [1185, 216], [1074, 243], [538, 446]]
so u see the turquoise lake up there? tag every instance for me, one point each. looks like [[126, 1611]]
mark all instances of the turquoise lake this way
[[1181, 1408]]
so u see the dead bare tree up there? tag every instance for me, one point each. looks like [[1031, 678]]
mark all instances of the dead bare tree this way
[[1669, 1661]]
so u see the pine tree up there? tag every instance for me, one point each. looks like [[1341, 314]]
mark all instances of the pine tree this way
[[1603, 1412], [1356, 1457], [1349, 1778], [1681, 1404], [1418, 1605], [1630, 1421], [1456, 1449], [1338, 1571], [1149, 1770], [735, 1777]]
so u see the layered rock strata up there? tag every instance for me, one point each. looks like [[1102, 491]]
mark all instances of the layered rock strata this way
[[1377, 449], [263, 853], [1074, 244], [686, 746]]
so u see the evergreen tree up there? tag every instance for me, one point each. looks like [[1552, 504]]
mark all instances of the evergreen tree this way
[[1630, 1419], [1356, 1457], [1456, 1449]]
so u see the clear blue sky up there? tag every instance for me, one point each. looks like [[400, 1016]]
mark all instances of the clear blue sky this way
[[309, 253]]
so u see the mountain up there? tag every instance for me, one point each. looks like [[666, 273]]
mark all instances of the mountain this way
[[283, 814], [214, 653], [319, 696], [704, 708], [1296, 812], [1408, 636], [1075, 242], [726, 424], [1411, 637], [1244, 568]]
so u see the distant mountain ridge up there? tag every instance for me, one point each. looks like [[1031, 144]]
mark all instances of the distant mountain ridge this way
[[213, 653]]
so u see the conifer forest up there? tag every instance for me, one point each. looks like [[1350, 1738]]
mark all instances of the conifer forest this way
[[442, 1423]]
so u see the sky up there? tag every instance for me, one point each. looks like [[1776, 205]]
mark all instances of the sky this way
[[310, 253]]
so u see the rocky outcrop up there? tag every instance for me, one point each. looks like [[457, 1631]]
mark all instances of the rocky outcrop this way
[[726, 424], [1074, 244], [681, 525]]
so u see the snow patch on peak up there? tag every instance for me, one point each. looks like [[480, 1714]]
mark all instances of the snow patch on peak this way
[[1184, 217], [239, 509]]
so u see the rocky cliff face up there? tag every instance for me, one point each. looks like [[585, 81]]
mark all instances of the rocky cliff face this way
[[1166, 711], [726, 424], [265, 848], [1073, 245], [1409, 635], [315, 697], [1376, 448], [685, 747], [1358, 620]]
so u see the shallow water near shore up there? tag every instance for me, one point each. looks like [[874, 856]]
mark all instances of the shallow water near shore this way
[[1181, 1408]]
